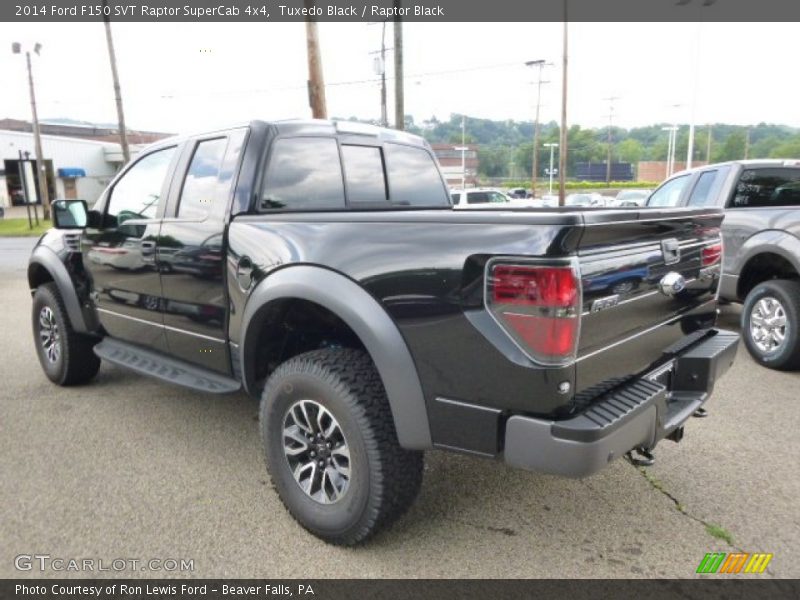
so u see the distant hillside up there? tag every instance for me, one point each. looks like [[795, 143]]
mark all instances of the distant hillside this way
[[506, 146]]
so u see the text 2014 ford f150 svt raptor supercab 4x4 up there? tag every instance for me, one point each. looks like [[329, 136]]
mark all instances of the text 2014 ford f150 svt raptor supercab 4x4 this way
[[320, 267]]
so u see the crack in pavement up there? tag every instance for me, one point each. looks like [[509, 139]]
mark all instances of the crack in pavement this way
[[679, 506]]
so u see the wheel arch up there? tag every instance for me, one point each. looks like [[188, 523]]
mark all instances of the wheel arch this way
[[44, 266], [374, 328], [766, 257]]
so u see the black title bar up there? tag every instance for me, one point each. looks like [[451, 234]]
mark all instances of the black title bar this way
[[744, 588], [407, 10]]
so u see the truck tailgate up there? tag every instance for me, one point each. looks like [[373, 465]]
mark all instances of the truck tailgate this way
[[627, 319]]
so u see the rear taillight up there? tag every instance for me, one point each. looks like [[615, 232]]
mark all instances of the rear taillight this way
[[711, 254], [538, 306]]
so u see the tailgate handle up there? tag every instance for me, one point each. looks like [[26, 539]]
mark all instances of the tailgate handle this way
[[671, 250]]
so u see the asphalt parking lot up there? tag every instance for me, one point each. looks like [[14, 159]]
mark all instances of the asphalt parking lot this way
[[128, 467]]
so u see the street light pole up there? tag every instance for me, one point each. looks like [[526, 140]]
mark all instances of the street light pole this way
[[562, 155], [540, 63], [552, 147], [610, 125], [44, 192]]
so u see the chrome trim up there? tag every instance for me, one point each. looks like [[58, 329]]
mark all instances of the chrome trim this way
[[669, 321], [635, 298], [168, 327], [682, 217]]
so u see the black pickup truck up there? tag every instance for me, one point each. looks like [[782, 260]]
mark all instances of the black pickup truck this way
[[320, 267]]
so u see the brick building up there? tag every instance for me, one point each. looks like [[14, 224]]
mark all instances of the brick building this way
[[450, 161]]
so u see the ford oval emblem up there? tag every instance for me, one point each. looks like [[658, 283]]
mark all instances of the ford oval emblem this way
[[671, 284]]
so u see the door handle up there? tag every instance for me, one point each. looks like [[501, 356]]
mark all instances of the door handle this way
[[244, 273]]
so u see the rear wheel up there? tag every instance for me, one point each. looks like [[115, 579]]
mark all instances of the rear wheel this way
[[67, 357], [771, 324], [331, 446]]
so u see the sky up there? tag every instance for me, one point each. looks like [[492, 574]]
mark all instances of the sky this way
[[181, 77]]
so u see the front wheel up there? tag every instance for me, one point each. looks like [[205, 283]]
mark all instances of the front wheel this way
[[67, 357], [331, 446], [771, 324]]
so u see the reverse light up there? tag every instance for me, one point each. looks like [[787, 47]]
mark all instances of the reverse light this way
[[711, 254], [538, 306]]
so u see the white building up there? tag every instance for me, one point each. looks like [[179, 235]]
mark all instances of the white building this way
[[80, 168]]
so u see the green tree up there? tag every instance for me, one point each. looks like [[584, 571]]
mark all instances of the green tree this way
[[732, 148], [629, 150]]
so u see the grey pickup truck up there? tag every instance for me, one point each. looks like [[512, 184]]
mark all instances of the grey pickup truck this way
[[321, 268], [761, 231]]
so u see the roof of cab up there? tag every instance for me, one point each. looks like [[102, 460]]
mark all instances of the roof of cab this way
[[300, 127]]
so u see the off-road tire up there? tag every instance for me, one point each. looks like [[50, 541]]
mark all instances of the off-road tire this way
[[385, 478], [787, 292], [76, 362]]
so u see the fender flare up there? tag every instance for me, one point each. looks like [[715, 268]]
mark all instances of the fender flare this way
[[48, 259], [771, 241], [368, 319]]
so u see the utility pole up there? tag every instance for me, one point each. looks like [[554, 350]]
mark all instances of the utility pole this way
[[316, 82], [399, 100], [562, 155], [610, 101], [535, 163], [708, 145], [112, 57], [44, 192]]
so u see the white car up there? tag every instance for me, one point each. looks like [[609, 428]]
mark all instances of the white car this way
[[632, 197], [481, 198]]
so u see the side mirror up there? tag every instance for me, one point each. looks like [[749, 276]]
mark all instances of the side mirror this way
[[69, 214]]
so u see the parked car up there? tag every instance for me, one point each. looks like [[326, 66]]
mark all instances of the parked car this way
[[590, 199], [632, 198], [761, 233], [518, 193], [479, 198], [374, 322]]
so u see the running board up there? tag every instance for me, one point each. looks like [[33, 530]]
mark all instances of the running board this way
[[171, 370]]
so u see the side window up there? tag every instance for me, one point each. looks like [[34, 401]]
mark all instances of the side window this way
[[701, 194], [762, 188], [363, 170], [455, 196], [669, 193], [137, 194], [477, 198], [303, 174], [200, 184], [414, 179], [497, 198]]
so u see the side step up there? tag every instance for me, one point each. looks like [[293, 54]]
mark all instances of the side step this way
[[171, 370]]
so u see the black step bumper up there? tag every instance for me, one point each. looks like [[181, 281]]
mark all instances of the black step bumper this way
[[637, 414]]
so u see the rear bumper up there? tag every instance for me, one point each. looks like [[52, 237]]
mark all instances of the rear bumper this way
[[638, 414]]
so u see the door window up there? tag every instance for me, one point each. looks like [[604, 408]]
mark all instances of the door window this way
[[200, 185], [138, 193], [669, 194]]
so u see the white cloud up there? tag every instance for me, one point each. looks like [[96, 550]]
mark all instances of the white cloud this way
[[189, 76]]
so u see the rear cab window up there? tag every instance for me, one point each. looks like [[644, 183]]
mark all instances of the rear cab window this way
[[320, 173], [767, 187]]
